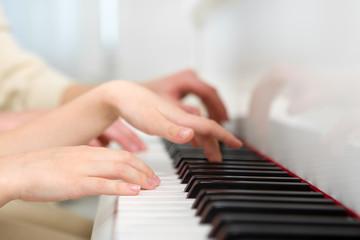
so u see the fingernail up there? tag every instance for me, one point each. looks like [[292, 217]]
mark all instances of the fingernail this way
[[184, 133], [134, 187], [157, 180], [152, 182]]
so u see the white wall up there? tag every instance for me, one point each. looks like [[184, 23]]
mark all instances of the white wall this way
[[157, 37]]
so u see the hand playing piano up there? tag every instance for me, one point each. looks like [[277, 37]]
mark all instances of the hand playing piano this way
[[177, 86], [151, 114], [90, 114], [72, 172]]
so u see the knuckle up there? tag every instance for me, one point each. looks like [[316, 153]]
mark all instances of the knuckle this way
[[127, 157], [119, 168], [101, 184]]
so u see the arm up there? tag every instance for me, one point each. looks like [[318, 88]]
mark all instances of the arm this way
[[87, 116], [23, 175]]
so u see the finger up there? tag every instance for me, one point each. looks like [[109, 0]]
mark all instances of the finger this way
[[169, 130], [104, 140], [100, 186], [117, 156], [120, 133], [117, 170], [95, 143], [211, 148], [203, 126], [190, 109], [194, 142], [209, 96]]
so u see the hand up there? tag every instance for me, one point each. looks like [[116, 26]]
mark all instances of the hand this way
[[121, 134], [151, 114], [177, 86], [72, 172], [89, 115]]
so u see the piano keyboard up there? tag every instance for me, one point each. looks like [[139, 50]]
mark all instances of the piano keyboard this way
[[244, 197]]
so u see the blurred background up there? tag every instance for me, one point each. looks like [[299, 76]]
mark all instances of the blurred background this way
[[251, 50], [226, 41]]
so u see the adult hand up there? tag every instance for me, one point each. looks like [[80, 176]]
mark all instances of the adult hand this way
[[149, 113], [72, 172], [90, 114], [175, 87]]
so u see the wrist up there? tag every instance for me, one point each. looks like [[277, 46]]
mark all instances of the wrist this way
[[74, 91], [6, 194], [116, 93]]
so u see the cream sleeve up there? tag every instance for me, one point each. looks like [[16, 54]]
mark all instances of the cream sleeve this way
[[25, 81]]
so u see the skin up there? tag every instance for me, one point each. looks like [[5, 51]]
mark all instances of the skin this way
[[83, 119], [173, 88]]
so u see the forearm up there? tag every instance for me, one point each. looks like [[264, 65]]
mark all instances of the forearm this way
[[6, 185], [75, 90], [72, 124]]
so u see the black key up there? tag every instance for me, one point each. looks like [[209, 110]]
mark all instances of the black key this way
[[196, 151], [254, 161], [226, 167], [265, 199], [259, 218], [184, 163], [173, 151], [231, 192], [247, 231], [178, 158], [239, 178], [192, 172], [215, 208], [213, 184]]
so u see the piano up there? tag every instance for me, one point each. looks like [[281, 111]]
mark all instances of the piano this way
[[282, 185]]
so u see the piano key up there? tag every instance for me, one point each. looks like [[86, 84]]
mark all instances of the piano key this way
[[227, 157], [215, 208], [214, 184], [281, 219], [168, 208], [226, 167], [184, 163], [239, 178], [274, 231], [231, 192], [192, 172], [265, 199]]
